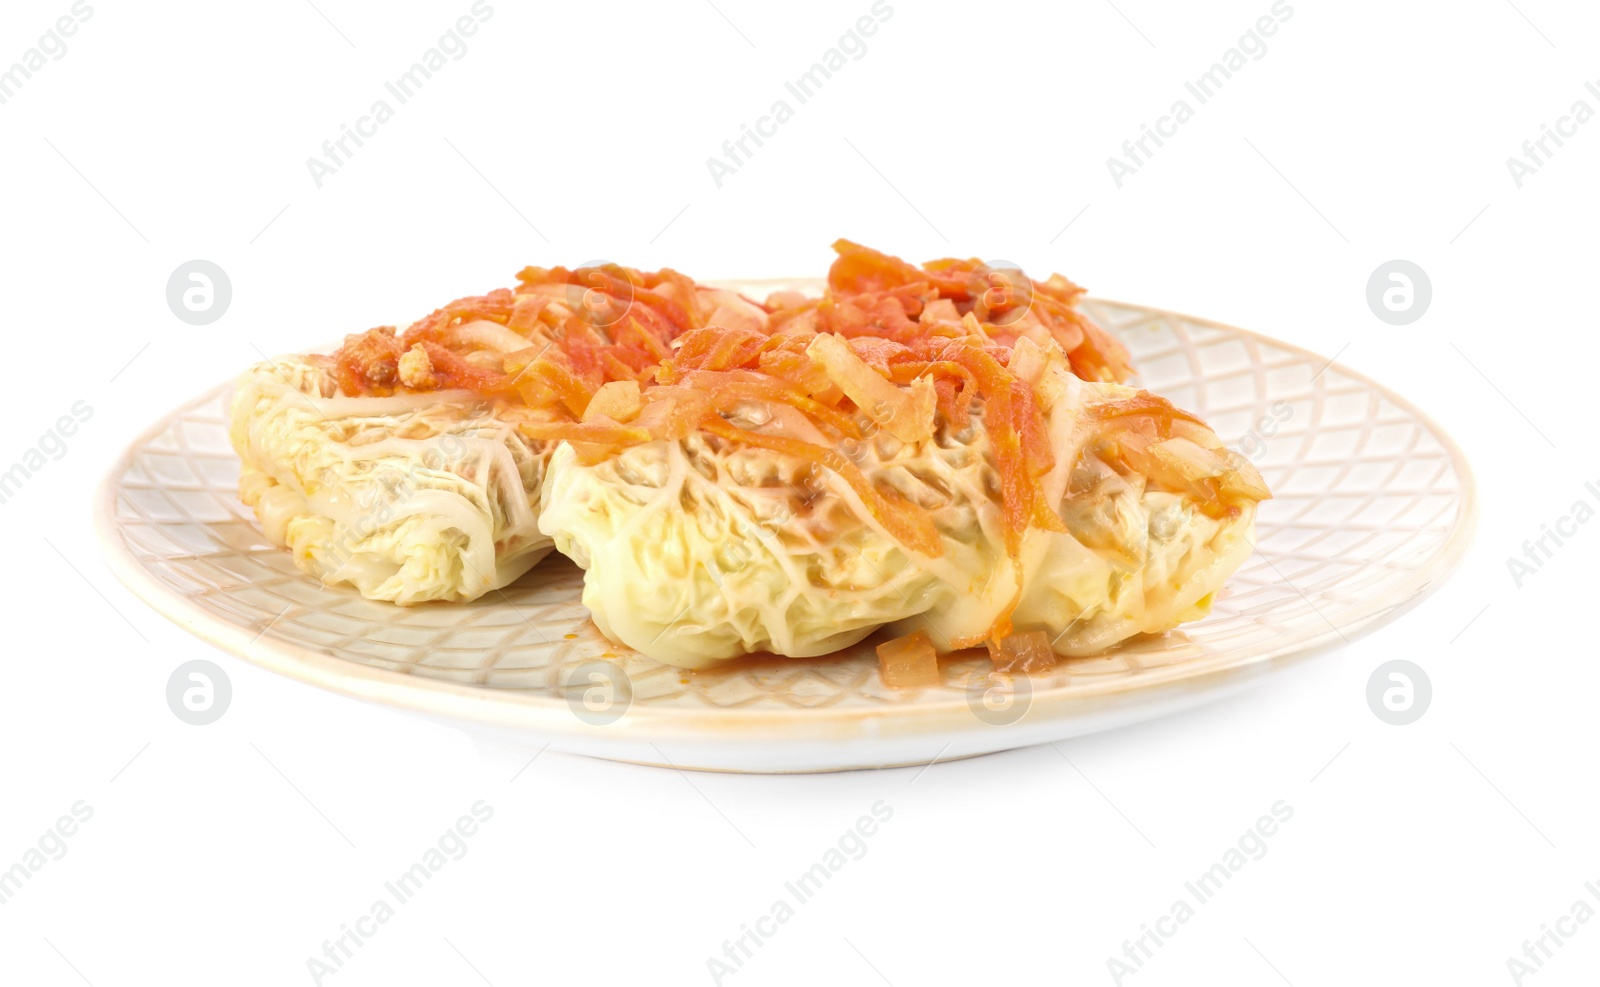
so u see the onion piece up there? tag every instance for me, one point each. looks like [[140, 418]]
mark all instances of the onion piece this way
[[1027, 652], [907, 414], [1028, 361], [1189, 460], [618, 400], [485, 335], [787, 299], [909, 662], [730, 311], [1245, 481], [940, 310]]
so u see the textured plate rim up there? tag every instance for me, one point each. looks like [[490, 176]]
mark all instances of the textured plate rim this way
[[552, 717]]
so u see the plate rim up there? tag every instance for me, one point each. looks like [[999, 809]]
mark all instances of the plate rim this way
[[551, 716]]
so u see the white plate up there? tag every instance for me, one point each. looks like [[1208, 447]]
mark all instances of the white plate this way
[[1374, 506]]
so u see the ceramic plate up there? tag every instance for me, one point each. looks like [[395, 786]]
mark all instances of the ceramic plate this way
[[1373, 508]]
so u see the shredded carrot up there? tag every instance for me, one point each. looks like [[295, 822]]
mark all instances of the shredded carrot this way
[[954, 321], [451, 371], [725, 387], [496, 306], [907, 523]]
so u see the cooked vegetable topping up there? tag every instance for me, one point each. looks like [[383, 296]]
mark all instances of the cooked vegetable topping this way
[[908, 662], [890, 356]]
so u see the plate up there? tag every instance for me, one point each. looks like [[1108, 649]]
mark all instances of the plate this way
[[1373, 508]]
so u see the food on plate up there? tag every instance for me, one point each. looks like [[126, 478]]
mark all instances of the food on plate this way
[[946, 452], [792, 493], [406, 497], [396, 464]]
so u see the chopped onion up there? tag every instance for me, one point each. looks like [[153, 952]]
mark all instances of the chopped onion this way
[[1028, 361], [905, 413], [485, 335], [618, 400], [908, 662], [732, 311], [940, 310], [1189, 460], [1027, 652]]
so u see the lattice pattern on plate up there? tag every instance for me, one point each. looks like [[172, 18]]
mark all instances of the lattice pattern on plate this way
[[1370, 496]]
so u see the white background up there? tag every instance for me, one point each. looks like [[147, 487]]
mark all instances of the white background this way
[[227, 854]]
